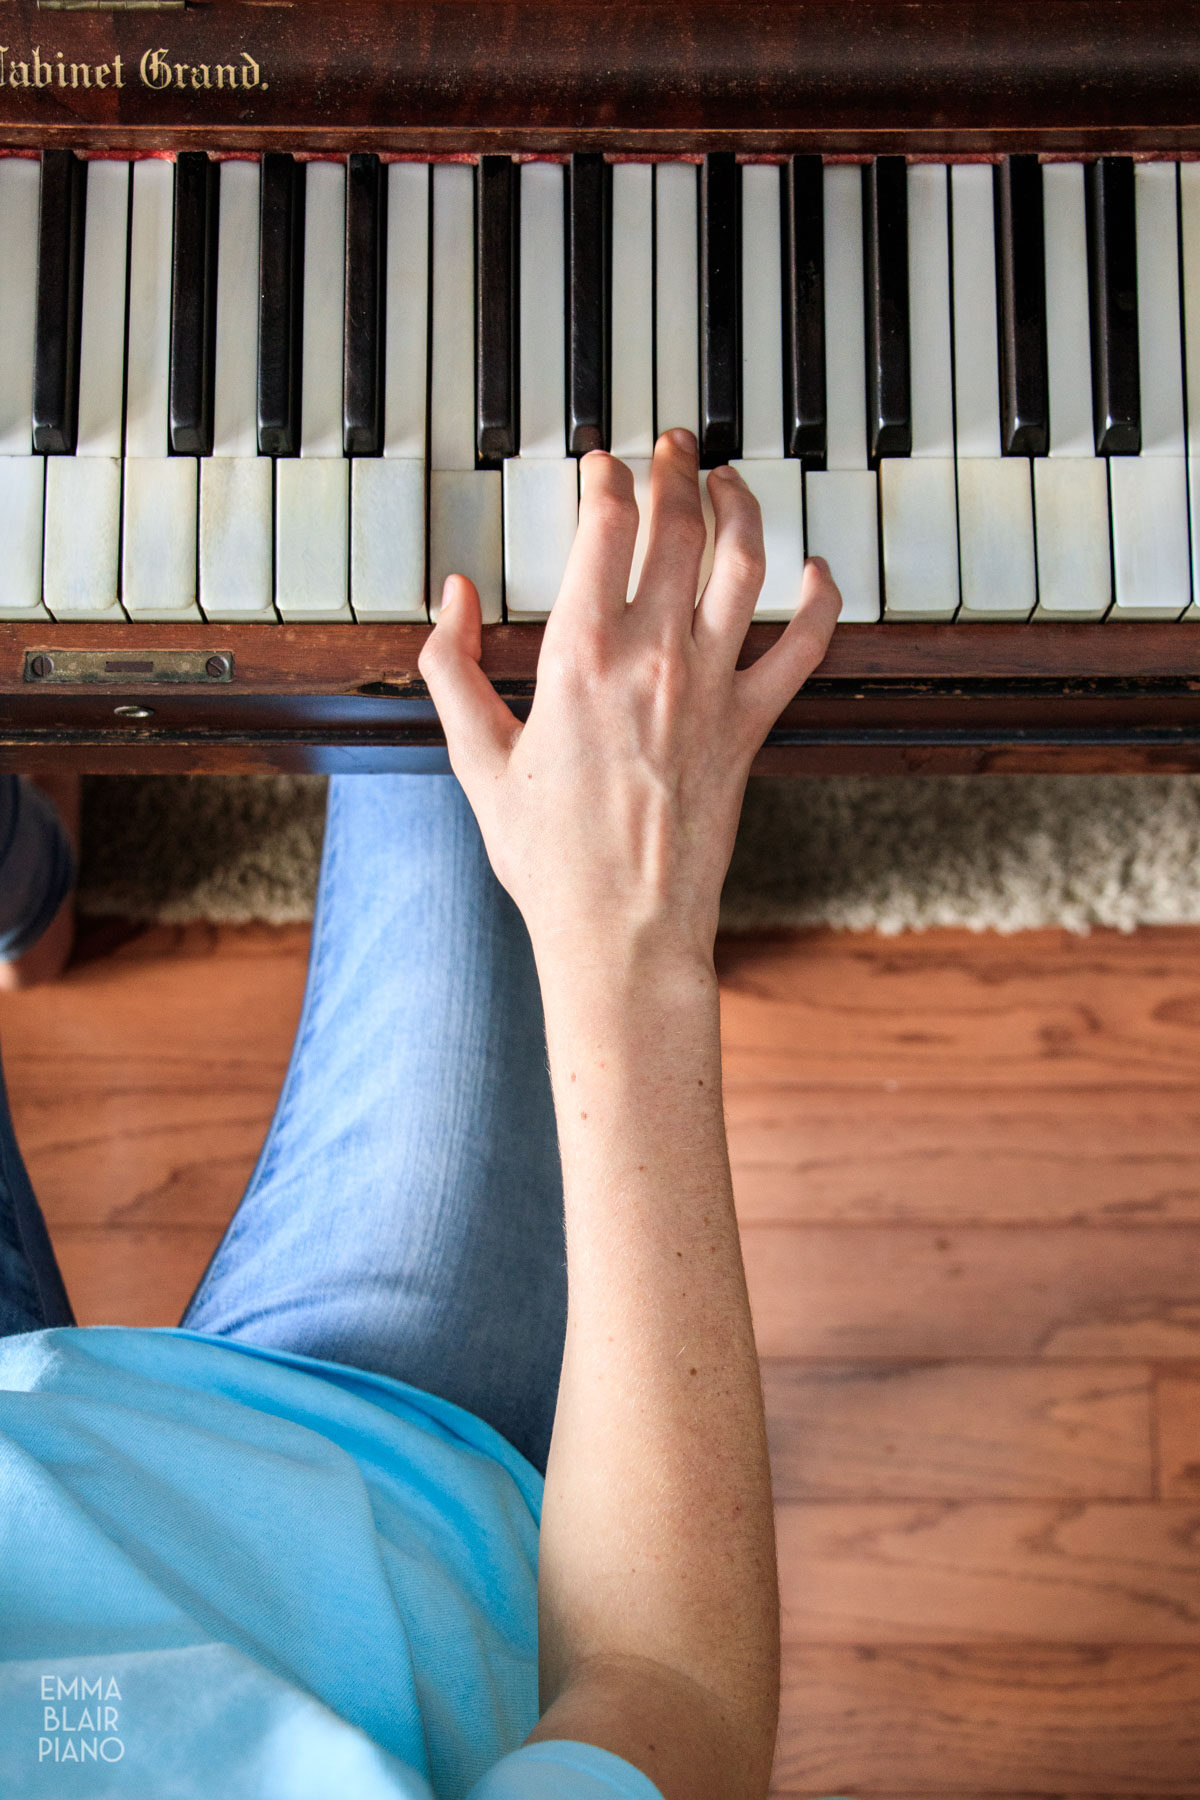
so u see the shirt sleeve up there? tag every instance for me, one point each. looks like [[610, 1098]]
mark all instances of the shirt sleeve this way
[[561, 1769]]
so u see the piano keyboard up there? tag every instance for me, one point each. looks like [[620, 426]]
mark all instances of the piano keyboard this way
[[276, 389]]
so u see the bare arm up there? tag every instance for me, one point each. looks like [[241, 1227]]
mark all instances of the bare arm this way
[[657, 1537], [610, 817]]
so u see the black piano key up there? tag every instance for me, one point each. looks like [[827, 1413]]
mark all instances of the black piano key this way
[[802, 197], [720, 309], [59, 303], [1112, 283], [193, 304], [885, 288], [589, 248], [366, 311], [497, 309], [280, 304], [1021, 293]]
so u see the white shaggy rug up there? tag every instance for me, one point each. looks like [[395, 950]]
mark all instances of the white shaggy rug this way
[[1000, 853]]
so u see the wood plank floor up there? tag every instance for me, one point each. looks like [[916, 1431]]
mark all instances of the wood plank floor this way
[[968, 1174]]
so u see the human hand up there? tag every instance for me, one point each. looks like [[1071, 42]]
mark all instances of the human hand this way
[[610, 815]]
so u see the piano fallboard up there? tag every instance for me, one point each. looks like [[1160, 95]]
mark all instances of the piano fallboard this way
[[889, 699], [446, 77]]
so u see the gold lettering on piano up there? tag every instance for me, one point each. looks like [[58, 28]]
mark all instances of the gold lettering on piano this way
[[156, 71]]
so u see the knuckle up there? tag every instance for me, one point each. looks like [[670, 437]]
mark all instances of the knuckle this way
[[746, 561], [694, 533], [613, 512], [685, 524]]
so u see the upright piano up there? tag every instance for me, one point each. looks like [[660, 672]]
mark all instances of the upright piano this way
[[306, 303]]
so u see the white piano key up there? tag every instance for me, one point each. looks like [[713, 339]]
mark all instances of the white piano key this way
[[324, 310], [543, 305], [102, 324], [452, 345], [312, 538], [1148, 501], [929, 316], [19, 196], [541, 485], [81, 563], [639, 467], [465, 522], [845, 341], [1070, 498], [1159, 351], [235, 370], [762, 314], [995, 521], [1148, 494], [841, 514], [22, 484], [387, 538], [918, 510], [158, 547], [997, 571], [777, 485], [1189, 203], [1068, 329], [81, 567], [407, 335], [541, 511], [632, 316], [676, 297], [920, 536], [1070, 486], [160, 498], [237, 524], [465, 534], [146, 387], [236, 547], [976, 352]]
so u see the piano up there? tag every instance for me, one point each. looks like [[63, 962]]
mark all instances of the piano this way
[[304, 303]]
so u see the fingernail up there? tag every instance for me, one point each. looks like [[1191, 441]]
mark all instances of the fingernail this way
[[683, 440], [446, 589], [821, 564], [725, 473]]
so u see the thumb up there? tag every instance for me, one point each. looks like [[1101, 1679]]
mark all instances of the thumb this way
[[767, 686], [478, 725]]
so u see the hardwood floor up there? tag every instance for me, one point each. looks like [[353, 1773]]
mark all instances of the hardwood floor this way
[[968, 1174]]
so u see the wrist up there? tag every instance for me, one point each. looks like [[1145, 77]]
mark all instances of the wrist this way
[[624, 962]]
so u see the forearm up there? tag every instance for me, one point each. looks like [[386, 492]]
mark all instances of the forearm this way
[[657, 1536]]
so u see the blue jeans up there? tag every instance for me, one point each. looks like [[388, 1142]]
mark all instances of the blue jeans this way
[[406, 1212]]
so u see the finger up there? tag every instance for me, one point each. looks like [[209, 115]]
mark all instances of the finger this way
[[479, 727], [671, 570], [739, 562], [596, 579], [763, 690]]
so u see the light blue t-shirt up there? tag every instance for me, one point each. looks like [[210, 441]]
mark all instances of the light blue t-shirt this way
[[238, 1572]]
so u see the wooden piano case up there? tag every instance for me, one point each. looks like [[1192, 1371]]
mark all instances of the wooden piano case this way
[[449, 78]]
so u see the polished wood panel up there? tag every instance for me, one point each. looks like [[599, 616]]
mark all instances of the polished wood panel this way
[[911, 1291], [1177, 1432], [979, 1155], [972, 1020], [1009, 1721], [955, 1572], [961, 1430], [886, 699], [657, 75]]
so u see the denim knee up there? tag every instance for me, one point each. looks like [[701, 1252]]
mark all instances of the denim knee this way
[[37, 864]]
